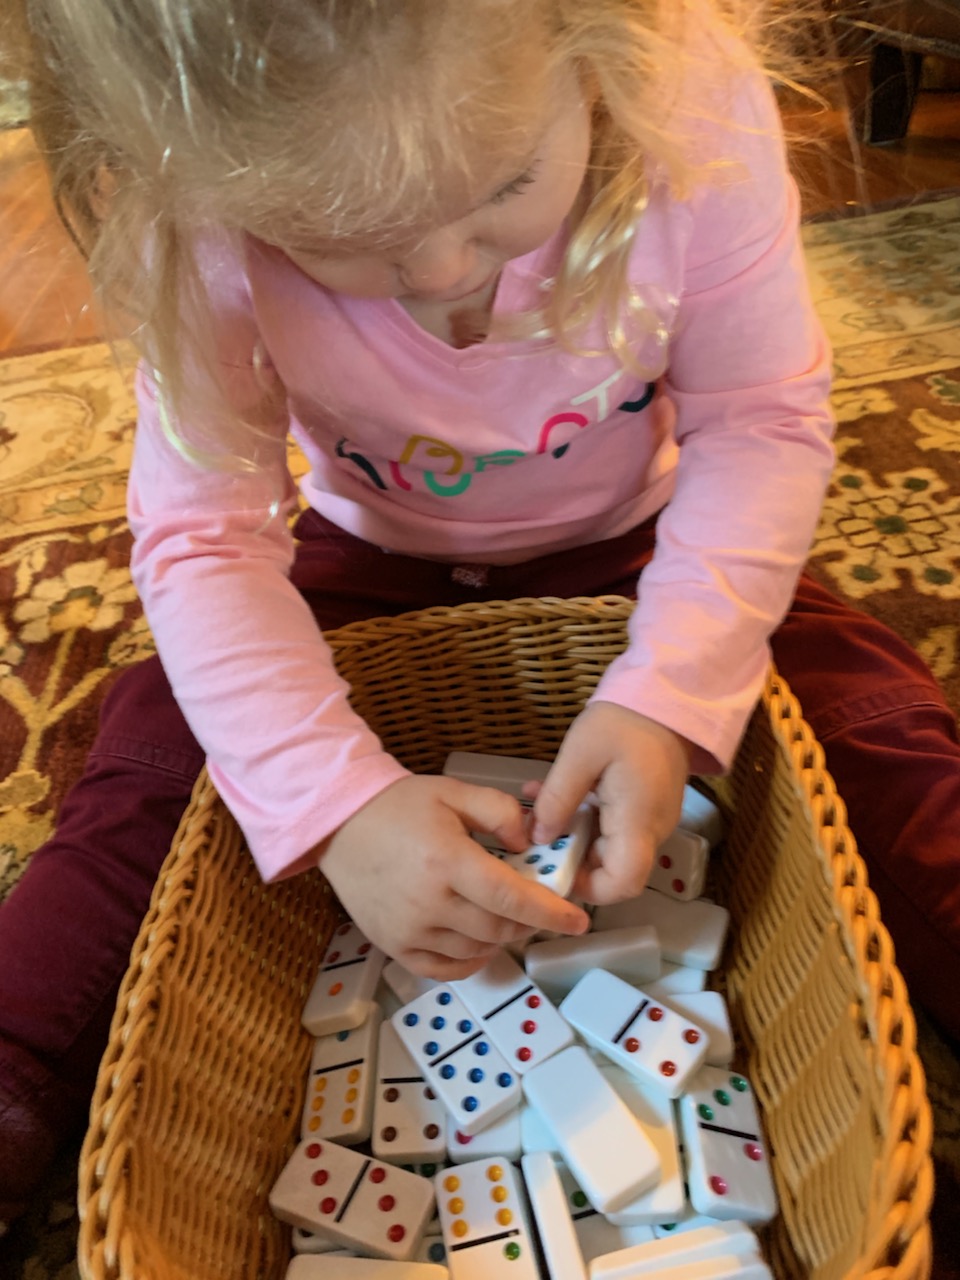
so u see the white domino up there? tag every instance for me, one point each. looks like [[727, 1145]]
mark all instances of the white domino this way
[[606, 1150], [691, 933], [558, 965], [406, 986], [484, 1220], [642, 1035], [310, 1242], [701, 816], [680, 865], [534, 1134], [502, 1138], [343, 993], [728, 1168], [555, 864], [521, 1021], [506, 773], [551, 1212], [654, 1112], [676, 979], [596, 1233], [339, 1096], [344, 1268], [707, 1009], [728, 1240], [409, 1120], [359, 1202], [458, 1059]]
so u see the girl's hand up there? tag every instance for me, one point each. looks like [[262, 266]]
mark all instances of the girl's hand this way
[[637, 769], [409, 874]]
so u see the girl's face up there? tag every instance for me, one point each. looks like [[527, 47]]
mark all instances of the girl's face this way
[[460, 258]]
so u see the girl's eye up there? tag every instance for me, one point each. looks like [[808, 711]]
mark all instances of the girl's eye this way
[[514, 188]]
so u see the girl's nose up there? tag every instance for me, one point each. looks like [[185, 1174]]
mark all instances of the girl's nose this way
[[440, 262]]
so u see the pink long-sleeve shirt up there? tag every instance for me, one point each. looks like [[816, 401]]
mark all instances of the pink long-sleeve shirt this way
[[495, 453]]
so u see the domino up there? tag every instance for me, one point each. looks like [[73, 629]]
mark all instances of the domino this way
[[534, 1134], [691, 933], [690, 1221], [680, 865], [728, 1172], [387, 1002], [484, 1222], [310, 1242], [343, 993], [432, 1249], [406, 986], [641, 1035], [654, 1112], [352, 1199], [708, 1010], [730, 1240], [557, 966], [520, 1020], [409, 1120], [343, 1268], [502, 1138], [548, 1201], [458, 1059], [506, 773], [339, 1096], [555, 864], [720, 1267], [606, 1150], [596, 1233], [701, 815], [676, 978]]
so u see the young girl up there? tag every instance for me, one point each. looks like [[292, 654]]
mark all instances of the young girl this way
[[522, 277]]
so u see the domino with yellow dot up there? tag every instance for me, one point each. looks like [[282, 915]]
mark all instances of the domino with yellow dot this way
[[340, 1087], [484, 1220], [344, 992]]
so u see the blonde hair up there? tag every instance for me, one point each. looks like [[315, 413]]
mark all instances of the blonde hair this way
[[163, 119]]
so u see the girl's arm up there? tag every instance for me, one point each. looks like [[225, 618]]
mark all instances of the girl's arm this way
[[748, 374]]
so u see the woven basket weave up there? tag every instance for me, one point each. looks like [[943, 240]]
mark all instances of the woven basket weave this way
[[199, 1093]]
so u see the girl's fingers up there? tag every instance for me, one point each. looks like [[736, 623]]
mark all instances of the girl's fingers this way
[[498, 889], [472, 921], [490, 811]]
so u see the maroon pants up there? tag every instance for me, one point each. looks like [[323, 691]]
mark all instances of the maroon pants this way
[[67, 930]]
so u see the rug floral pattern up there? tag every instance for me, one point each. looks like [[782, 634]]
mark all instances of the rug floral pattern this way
[[889, 539]]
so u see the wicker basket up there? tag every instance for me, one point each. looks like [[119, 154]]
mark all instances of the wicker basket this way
[[199, 1093]]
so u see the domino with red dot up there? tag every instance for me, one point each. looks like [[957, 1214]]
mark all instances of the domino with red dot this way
[[458, 1059], [680, 865], [376, 1208], [645, 1037], [520, 1020], [343, 995], [728, 1170], [484, 1221]]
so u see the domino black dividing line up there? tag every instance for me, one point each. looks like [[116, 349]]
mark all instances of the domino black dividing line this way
[[733, 1133], [456, 1048], [339, 1066], [355, 1185], [472, 1244], [589, 1212], [401, 1080], [630, 1021], [343, 964], [512, 1000]]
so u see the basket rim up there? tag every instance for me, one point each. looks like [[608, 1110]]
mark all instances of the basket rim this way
[[897, 1243]]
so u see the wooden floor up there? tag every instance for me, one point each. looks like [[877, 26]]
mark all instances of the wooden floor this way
[[45, 301]]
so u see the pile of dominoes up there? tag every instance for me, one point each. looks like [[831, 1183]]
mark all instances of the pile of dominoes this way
[[568, 1112]]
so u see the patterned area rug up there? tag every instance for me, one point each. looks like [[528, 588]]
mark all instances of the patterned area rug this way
[[889, 540]]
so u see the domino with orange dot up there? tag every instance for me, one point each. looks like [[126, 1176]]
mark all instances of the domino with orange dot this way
[[643, 1036], [484, 1222], [409, 1120], [360, 1203], [343, 995], [339, 1097]]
